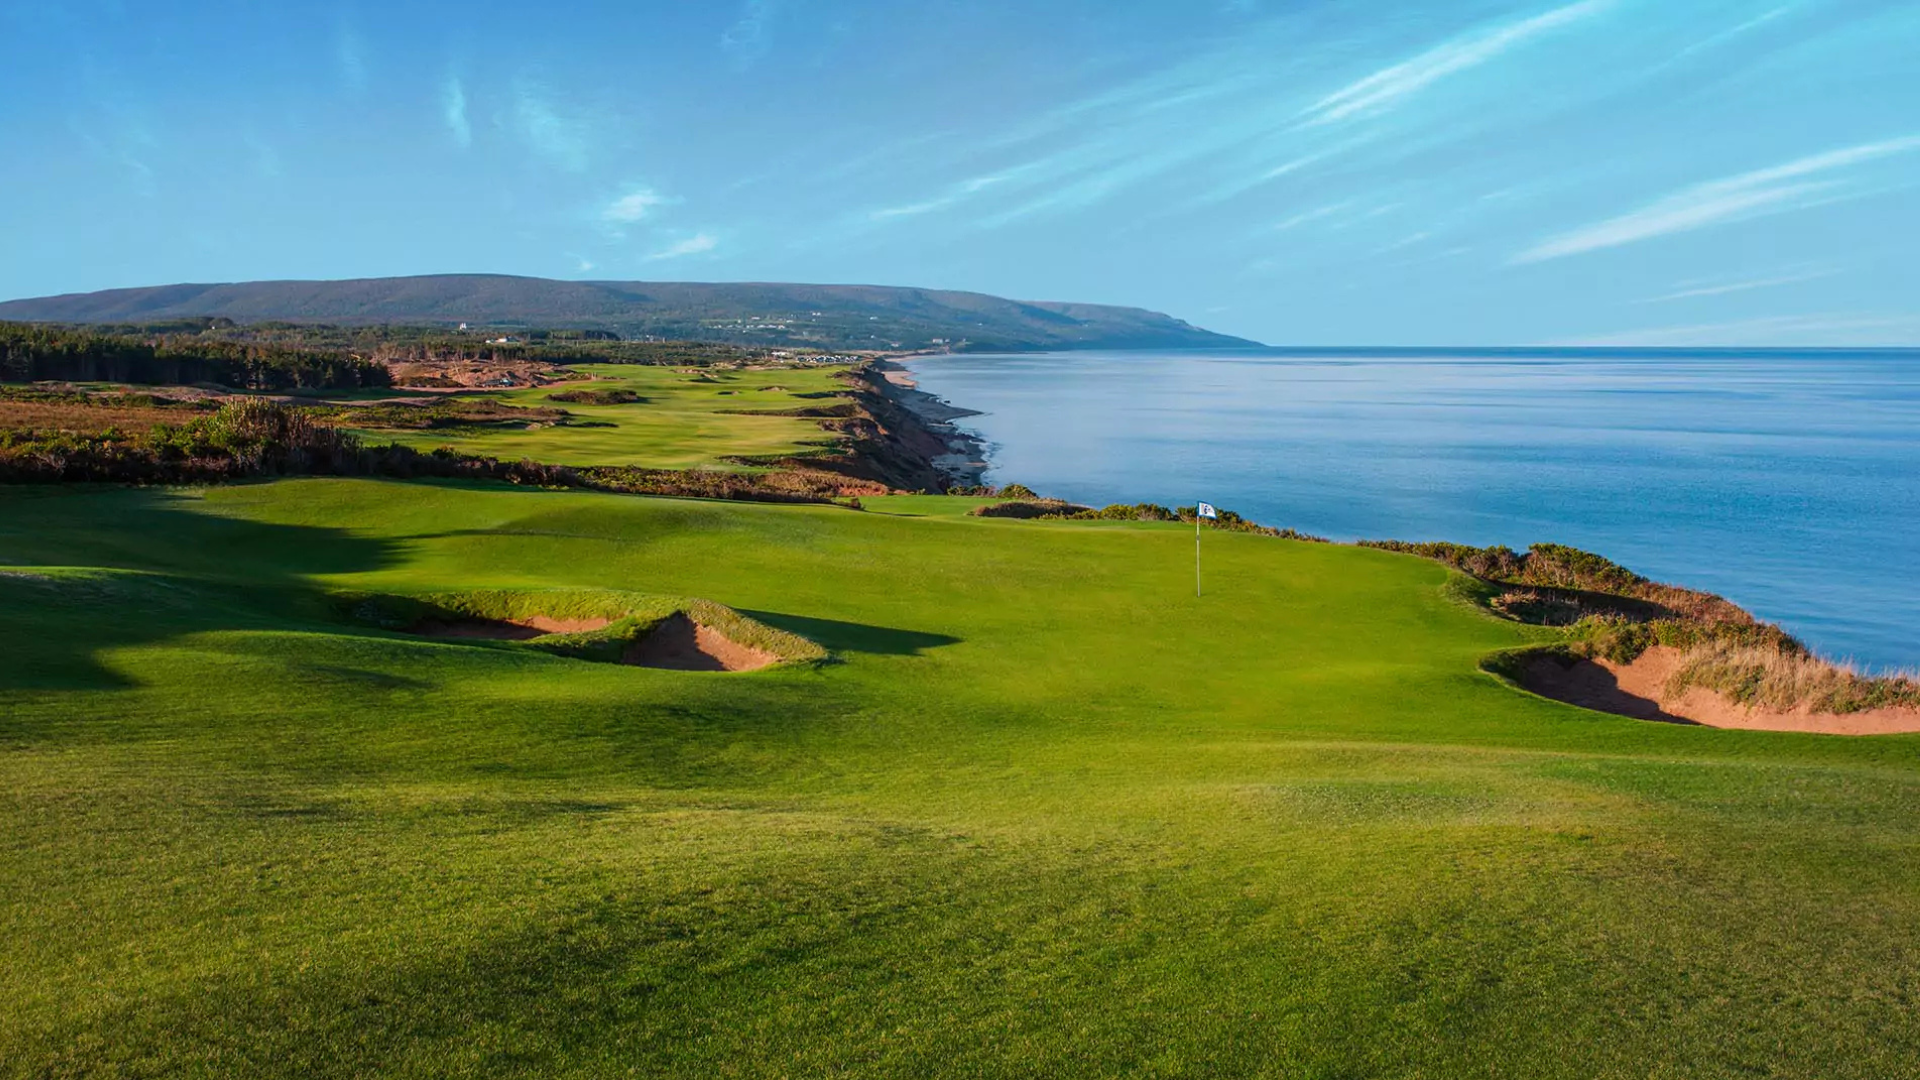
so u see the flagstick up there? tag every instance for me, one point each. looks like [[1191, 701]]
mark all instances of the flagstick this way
[[1196, 554]]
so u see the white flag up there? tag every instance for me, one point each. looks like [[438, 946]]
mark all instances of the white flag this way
[[1207, 511]]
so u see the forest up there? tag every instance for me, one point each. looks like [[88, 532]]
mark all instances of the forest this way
[[36, 353]]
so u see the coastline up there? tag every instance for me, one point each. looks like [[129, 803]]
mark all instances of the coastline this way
[[1643, 685], [924, 423]]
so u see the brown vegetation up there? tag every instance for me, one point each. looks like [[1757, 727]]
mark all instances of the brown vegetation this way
[[1735, 687], [442, 412], [247, 437], [1705, 644], [597, 397], [1028, 509]]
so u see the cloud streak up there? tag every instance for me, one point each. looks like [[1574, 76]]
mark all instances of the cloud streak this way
[[561, 140], [632, 207], [1391, 86], [350, 53], [1823, 329], [750, 37], [958, 193], [453, 109], [1740, 286], [1796, 185], [698, 244]]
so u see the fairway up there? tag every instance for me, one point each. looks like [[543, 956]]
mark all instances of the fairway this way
[[686, 418], [1044, 813]]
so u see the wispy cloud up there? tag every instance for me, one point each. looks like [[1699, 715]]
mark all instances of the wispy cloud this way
[[350, 52], [750, 37], [562, 140], [957, 193], [1825, 329], [1792, 186], [1725, 288], [1389, 87], [631, 207], [453, 109], [698, 244], [1318, 213], [1224, 123], [1724, 36]]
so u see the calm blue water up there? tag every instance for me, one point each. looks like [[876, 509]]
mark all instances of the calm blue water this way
[[1788, 482]]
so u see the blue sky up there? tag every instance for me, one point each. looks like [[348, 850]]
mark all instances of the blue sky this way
[[1669, 172]]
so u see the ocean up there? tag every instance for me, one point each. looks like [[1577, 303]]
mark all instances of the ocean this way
[[1787, 481]]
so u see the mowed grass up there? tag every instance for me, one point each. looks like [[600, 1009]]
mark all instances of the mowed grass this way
[[1049, 815], [686, 420]]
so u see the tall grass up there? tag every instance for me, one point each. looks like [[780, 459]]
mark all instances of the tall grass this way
[[1765, 676], [1614, 614]]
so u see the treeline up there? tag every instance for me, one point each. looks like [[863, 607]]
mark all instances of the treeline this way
[[34, 353], [420, 343]]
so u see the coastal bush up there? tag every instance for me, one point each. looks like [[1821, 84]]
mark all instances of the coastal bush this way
[[1132, 512], [1758, 675], [1029, 509], [1755, 664], [444, 412], [1572, 571], [598, 397], [988, 491]]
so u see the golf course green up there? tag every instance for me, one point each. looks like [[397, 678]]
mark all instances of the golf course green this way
[[1043, 812], [684, 418]]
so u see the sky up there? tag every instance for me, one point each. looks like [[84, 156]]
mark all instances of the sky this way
[[1305, 172]]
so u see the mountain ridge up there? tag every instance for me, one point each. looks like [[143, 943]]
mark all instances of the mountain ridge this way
[[766, 313]]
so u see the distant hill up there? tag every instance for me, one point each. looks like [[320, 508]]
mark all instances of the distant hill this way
[[826, 316]]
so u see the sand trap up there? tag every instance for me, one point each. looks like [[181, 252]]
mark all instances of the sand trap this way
[[680, 644], [1639, 690], [504, 630]]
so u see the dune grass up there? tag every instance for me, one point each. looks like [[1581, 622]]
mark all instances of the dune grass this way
[[1048, 815], [686, 419]]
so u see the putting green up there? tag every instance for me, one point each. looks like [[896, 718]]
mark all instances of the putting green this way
[[1045, 814]]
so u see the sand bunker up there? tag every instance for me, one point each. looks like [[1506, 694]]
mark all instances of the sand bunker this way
[[504, 630], [1639, 690], [677, 643], [680, 644]]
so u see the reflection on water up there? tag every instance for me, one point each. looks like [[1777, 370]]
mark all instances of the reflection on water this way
[[1789, 482]]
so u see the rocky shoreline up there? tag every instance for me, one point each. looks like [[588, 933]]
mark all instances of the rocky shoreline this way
[[925, 424]]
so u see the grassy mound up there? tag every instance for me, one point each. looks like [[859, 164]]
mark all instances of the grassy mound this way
[[1614, 614], [1050, 813], [586, 624]]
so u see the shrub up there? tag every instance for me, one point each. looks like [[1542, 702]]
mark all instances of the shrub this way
[[597, 397], [1028, 509]]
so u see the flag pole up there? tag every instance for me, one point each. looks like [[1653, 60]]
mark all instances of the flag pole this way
[[1196, 554], [1204, 510]]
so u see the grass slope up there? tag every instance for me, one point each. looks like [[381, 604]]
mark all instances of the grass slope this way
[[1049, 815], [686, 420]]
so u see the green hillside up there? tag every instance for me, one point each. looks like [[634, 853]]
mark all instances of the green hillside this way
[[815, 316], [1045, 813]]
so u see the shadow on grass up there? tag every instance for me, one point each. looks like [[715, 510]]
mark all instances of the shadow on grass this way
[[143, 566], [855, 637]]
